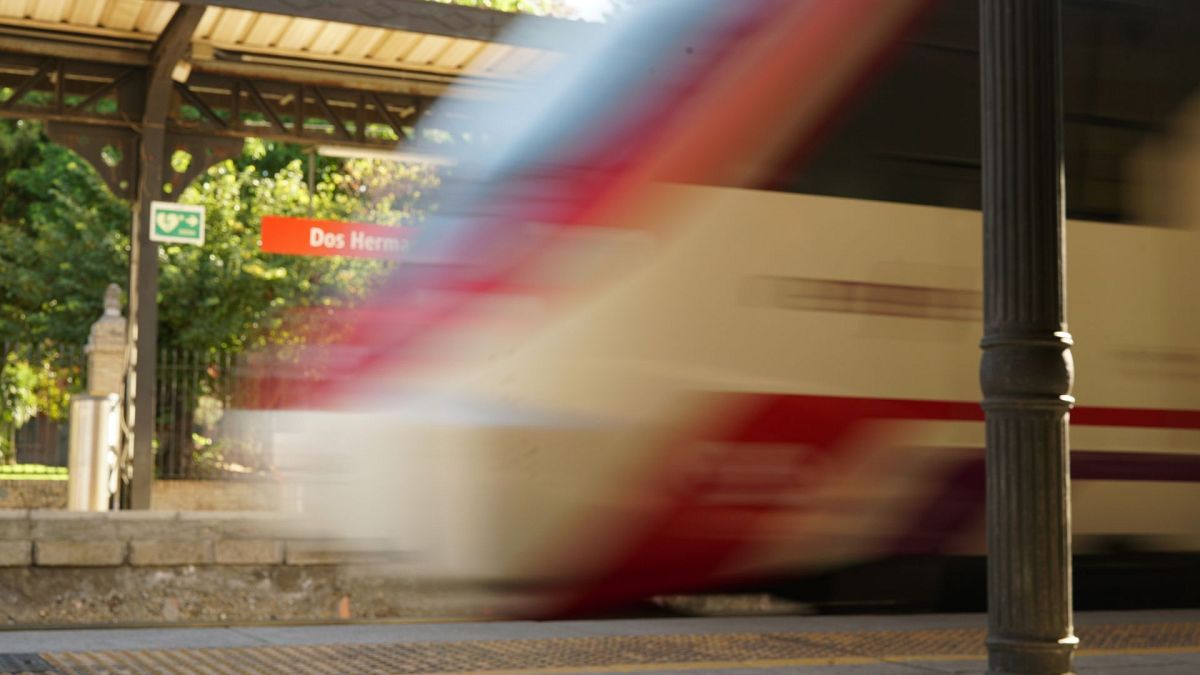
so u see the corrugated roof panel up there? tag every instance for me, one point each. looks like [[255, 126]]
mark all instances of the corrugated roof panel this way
[[395, 47], [486, 59], [49, 10], [232, 26], [266, 30], [427, 50], [17, 9], [544, 62], [154, 17], [460, 53], [280, 35], [363, 42], [85, 13], [210, 18], [121, 14], [331, 38], [299, 34], [516, 62]]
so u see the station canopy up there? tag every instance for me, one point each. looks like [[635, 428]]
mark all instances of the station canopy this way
[[350, 73]]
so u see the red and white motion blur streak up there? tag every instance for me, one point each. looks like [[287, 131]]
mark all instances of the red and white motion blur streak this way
[[681, 93], [583, 377]]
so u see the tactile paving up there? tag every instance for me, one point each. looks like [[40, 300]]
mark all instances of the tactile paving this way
[[566, 654], [24, 663]]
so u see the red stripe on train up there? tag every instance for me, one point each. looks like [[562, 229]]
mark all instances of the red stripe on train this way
[[857, 408], [685, 546], [1145, 418]]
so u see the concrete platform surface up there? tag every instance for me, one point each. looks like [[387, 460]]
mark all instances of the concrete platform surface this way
[[1111, 642]]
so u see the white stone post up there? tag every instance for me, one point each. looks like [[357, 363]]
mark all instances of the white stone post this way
[[96, 415], [106, 348]]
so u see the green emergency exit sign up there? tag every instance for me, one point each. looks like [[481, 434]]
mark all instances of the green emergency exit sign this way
[[176, 223]]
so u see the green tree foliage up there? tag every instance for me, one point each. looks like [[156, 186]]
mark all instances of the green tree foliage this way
[[228, 294], [64, 237], [565, 9], [539, 7]]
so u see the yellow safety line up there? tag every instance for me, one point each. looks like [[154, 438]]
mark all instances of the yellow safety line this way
[[813, 661], [842, 660]]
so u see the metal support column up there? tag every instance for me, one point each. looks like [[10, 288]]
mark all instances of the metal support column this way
[[1026, 371], [143, 264]]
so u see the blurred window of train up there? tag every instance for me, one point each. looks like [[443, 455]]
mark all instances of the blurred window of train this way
[[1131, 117]]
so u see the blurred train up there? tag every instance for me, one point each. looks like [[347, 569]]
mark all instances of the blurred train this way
[[725, 333]]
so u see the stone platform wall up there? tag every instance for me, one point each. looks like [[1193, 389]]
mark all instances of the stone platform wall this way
[[33, 494], [64, 568], [215, 495], [165, 495]]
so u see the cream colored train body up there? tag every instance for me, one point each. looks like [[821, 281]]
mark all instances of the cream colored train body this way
[[593, 442]]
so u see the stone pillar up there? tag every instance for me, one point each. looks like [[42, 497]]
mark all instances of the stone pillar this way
[[105, 348], [1026, 371], [95, 438]]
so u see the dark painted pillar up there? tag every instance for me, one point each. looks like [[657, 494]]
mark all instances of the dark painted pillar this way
[[1026, 371], [143, 264], [143, 316]]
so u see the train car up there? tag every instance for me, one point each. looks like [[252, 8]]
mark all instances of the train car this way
[[692, 350]]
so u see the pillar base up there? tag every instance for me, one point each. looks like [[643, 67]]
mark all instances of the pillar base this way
[[1031, 657]]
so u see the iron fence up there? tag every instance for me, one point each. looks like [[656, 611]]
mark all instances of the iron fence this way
[[196, 434], [35, 431], [40, 440]]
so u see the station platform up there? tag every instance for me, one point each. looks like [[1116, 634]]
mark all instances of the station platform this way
[[1111, 642]]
